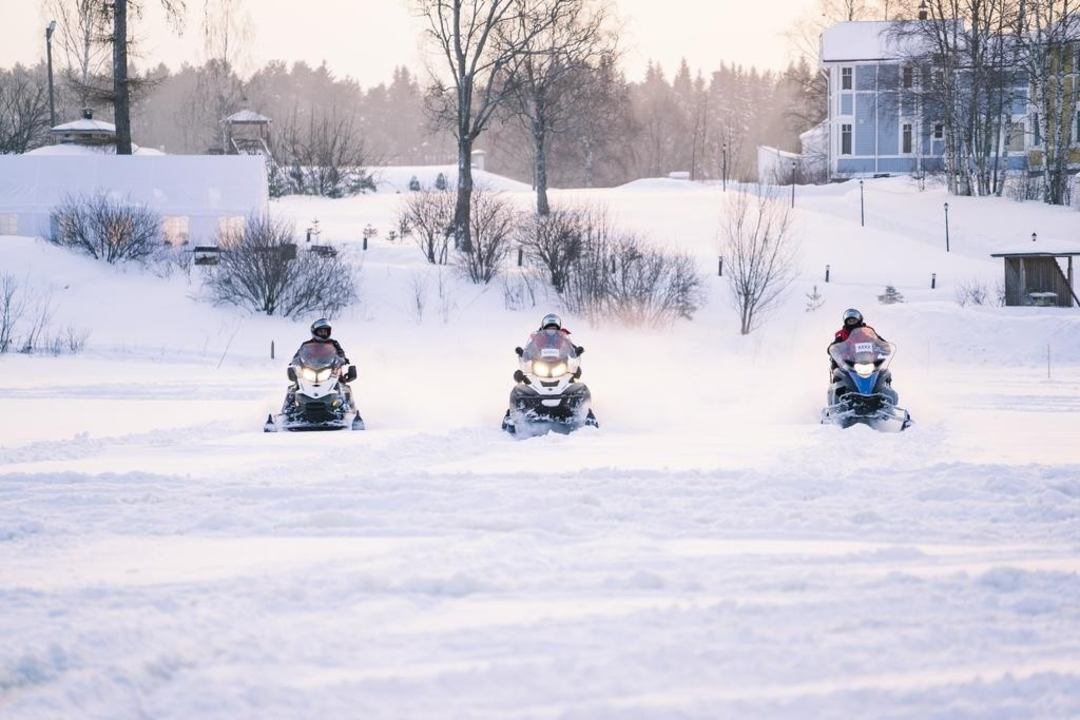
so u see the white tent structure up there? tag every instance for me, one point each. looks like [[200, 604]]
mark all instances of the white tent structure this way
[[197, 196]]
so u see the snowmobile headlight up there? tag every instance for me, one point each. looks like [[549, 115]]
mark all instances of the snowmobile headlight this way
[[865, 369], [309, 374], [541, 369], [323, 375], [557, 370]]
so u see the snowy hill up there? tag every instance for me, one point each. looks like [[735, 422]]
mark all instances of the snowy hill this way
[[710, 551]]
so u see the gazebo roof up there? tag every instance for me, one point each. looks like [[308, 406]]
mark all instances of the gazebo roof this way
[[85, 125], [246, 116]]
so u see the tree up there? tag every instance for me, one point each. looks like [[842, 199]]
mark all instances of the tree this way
[[120, 41], [24, 109], [83, 34], [561, 37], [760, 252], [481, 41]]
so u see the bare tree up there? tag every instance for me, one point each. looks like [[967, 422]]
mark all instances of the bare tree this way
[[430, 215], [106, 229], [759, 250], [554, 242], [83, 37], [324, 155], [481, 42], [24, 110], [491, 226], [121, 99], [560, 38], [12, 306], [264, 271], [1048, 33]]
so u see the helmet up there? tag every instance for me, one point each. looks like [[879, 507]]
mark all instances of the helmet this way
[[551, 320], [852, 318], [321, 329]]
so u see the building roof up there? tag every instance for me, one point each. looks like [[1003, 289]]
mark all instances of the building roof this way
[[866, 40], [80, 149], [247, 116], [1066, 253], [85, 125]]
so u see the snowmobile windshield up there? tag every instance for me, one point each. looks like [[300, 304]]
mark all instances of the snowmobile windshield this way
[[318, 355], [862, 349], [549, 355]]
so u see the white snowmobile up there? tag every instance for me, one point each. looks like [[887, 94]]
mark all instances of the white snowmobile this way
[[548, 395], [861, 390], [319, 398]]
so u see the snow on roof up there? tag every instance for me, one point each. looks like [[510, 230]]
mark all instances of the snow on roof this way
[[1042, 246], [77, 149], [247, 116], [85, 125], [865, 40]]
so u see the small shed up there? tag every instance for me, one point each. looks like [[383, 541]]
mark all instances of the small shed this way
[[246, 133], [1038, 278]]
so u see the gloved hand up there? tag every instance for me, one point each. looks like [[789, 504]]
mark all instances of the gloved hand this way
[[520, 377], [579, 349], [519, 351]]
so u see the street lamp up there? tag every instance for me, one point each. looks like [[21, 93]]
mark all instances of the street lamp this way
[[946, 227], [48, 53], [862, 206], [793, 182], [724, 173]]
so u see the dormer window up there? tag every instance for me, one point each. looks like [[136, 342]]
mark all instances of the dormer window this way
[[846, 78]]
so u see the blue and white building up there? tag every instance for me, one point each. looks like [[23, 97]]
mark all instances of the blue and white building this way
[[877, 123]]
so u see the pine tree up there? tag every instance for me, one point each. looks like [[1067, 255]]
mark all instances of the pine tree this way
[[891, 296]]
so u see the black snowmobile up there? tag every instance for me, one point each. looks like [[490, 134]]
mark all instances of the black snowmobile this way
[[319, 397], [548, 395]]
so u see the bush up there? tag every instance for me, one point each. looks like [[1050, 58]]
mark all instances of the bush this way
[[262, 270], [492, 224], [429, 217], [106, 229], [25, 322], [616, 276], [554, 242], [972, 292], [891, 296]]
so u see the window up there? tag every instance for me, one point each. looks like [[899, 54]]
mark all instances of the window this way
[[175, 229], [230, 230], [907, 76], [845, 139], [846, 78], [939, 131], [1016, 137], [905, 139], [9, 224]]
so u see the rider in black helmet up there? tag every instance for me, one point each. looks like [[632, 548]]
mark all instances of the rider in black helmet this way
[[320, 333], [853, 319]]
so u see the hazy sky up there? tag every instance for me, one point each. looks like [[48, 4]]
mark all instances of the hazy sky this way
[[365, 39]]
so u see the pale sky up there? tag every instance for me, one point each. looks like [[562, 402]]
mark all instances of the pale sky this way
[[366, 39]]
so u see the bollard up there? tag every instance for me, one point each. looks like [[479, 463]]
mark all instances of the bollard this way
[[720, 267], [521, 256], [826, 273], [365, 243], [933, 281], [613, 269], [271, 349]]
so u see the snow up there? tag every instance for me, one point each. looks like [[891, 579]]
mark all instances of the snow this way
[[76, 149], [710, 551], [865, 40]]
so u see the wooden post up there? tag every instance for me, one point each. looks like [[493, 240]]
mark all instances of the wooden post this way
[[271, 349]]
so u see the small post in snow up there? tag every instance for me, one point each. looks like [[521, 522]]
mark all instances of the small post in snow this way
[[271, 349], [720, 267], [826, 273], [933, 281], [613, 268], [946, 227], [365, 243], [521, 256], [862, 206]]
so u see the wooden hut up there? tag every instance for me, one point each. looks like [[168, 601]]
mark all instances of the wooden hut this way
[[1038, 278]]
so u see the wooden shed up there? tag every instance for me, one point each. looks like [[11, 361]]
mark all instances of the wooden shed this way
[[1038, 278]]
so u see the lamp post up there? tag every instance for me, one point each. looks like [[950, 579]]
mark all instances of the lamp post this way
[[862, 206], [49, 30], [793, 182], [946, 227], [724, 170]]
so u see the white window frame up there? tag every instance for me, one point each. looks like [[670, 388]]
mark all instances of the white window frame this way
[[9, 224], [910, 126], [851, 138], [939, 131], [847, 72]]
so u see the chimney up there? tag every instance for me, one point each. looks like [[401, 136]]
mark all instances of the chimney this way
[[922, 10], [88, 114]]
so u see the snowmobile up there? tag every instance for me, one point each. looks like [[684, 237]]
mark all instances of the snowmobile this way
[[861, 389], [547, 395], [319, 397]]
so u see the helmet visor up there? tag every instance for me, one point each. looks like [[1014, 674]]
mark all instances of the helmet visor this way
[[322, 332]]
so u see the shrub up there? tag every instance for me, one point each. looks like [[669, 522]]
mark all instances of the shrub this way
[[429, 217], [492, 224], [554, 242], [105, 228], [263, 270]]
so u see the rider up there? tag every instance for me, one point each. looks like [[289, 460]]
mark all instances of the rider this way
[[320, 335], [853, 320], [551, 324]]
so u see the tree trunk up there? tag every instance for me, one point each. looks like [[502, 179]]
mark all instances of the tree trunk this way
[[121, 106], [540, 171], [463, 206]]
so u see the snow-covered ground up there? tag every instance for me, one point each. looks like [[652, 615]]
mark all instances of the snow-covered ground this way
[[710, 552]]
